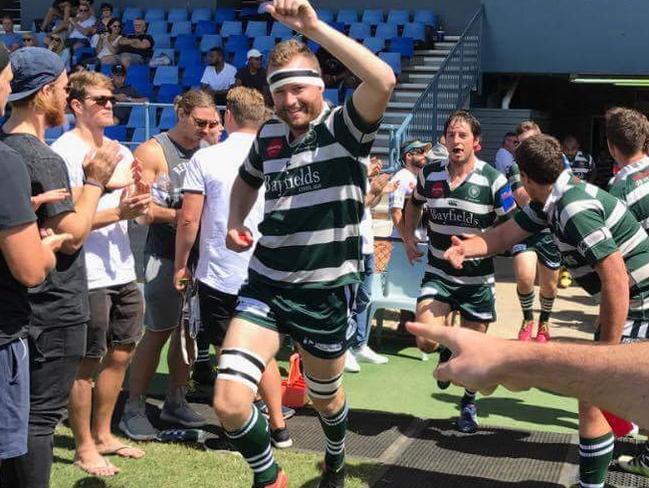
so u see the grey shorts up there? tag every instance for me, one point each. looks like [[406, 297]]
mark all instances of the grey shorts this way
[[14, 400], [163, 303]]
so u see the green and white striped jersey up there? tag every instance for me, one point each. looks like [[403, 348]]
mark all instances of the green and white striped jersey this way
[[588, 225], [480, 201], [631, 186], [314, 199]]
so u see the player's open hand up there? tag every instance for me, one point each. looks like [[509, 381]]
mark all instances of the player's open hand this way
[[51, 196], [299, 15], [455, 254], [239, 239]]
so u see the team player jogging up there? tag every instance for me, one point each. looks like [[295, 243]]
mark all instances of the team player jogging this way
[[306, 266]]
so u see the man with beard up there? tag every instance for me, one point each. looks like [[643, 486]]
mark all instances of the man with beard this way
[[57, 331], [164, 160], [605, 248], [116, 310], [463, 195], [218, 76], [313, 160]]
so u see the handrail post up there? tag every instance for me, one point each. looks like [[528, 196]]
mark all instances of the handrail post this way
[[147, 122]]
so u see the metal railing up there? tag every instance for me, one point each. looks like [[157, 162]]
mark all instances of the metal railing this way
[[447, 91]]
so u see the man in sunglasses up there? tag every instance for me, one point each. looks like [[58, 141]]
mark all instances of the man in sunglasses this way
[[57, 330], [116, 305], [164, 160], [82, 27]]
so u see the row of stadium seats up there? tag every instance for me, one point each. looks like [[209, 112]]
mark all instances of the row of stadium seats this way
[[220, 15]]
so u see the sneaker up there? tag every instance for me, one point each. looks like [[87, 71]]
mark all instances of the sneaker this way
[[467, 422], [543, 334], [565, 280], [203, 374], [351, 365], [280, 438], [135, 424], [332, 479], [634, 465], [287, 412], [181, 414], [280, 482], [526, 330], [444, 355], [366, 355]]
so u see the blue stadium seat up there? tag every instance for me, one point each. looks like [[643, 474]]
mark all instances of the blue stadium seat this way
[[127, 27], [177, 15], [230, 28], [398, 16], [392, 59], [168, 92], [415, 30], [239, 59], [263, 43], [131, 13], [185, 41], [154, 14], [426, 17], [256, 28], [280, 31], [339, 26], [358, 30], [326, 15], [167, 118], [192, 76], [116, 132], [166, 75], [205, 27], [137, 73], [157, 27], [137, 117], [189, 57], [53, 133], [201, 13], [209, 41], [248, 12], [82, 53], [331, 95], [402, 45], [40, 37], [105, 69], [224, 13], [374, 44], [144, 88], [162, 40], [170, 53], [349, 92], [347, 16], [139, 134], [372, 16], [386, 31], [236, 43], [181, 27], [314, 46]]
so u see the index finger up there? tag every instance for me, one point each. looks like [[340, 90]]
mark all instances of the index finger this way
[[437, 333]]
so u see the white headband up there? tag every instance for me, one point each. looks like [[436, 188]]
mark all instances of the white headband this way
[[283, 77]]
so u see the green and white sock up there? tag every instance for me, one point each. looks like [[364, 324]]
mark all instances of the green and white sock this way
[[594, 457], [546, 308], [335, 428], [527, 304], [253, 442]]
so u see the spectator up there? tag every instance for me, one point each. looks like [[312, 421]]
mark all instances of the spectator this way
[[334, 73], [136, 48], [25, 260], [82, 27], [123, 93], [581, 163], [11, 39], [57, 329], [57, 46], [253, 75], [107, 44], [116, 304], [29, 40], [218, 76], [505, 155], [58, 16], [103, 23]]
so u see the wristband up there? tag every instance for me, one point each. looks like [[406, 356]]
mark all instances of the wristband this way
[[93, 182]]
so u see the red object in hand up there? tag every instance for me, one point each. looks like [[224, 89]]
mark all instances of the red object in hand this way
[[620, 426], [243, 235]]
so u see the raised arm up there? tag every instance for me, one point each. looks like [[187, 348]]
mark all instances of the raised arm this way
[[378, 80]]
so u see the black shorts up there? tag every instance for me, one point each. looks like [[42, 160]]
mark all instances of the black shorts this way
[[116, 314], [217, 310]]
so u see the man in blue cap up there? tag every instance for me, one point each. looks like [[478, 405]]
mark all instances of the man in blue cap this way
[[57, 330]]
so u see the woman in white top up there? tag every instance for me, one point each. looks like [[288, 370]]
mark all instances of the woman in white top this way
[[107, 42]]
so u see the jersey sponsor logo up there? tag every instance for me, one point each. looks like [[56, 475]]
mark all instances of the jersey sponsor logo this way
[[437, 189], [506, 197], [453, 216], [306, 179], [274, 147]]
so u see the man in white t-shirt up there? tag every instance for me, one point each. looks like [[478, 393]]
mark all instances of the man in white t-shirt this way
[[505, 155], [220, 271], [218, 76], [82, 27], [115, 301]]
